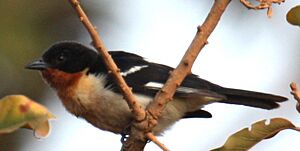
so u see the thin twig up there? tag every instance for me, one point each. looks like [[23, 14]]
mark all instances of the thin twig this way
[[296, 93], [137, 110], [263, 4], [151, 137], [185, 65], [155, 108]]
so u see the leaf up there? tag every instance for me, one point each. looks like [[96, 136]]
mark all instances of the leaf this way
[[244, 139], [18, 111], [293, 16]]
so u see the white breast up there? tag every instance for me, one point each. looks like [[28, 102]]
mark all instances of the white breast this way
[[108, 110]]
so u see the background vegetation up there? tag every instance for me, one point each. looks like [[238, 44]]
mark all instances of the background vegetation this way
[[247, 50]]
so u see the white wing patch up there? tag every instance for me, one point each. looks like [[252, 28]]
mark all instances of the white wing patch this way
[[133, 70], [156, 85]]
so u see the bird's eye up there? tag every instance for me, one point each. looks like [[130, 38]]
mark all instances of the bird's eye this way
[[61, 58]]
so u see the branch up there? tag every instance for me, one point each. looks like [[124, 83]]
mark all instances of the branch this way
[[263, 4], [142, 125], [185, 65], [296, 93], [155, 108], [137, 110], [151, 137]]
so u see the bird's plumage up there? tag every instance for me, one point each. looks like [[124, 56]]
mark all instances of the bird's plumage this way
[[86, 88], [158, 73]]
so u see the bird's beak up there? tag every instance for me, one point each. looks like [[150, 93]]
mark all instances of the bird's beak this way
[[39, 64]]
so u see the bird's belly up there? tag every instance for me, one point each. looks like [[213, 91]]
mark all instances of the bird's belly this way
[[108, 110], [107, 113], [109, 121], [113, 114]]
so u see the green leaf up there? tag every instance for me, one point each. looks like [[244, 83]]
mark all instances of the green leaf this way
[[18, 111], [293, 16], [244, 139]]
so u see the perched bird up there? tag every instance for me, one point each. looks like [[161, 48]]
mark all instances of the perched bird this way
[[86, 88]]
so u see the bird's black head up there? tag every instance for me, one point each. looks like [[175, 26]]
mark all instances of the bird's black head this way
[[70, 57]]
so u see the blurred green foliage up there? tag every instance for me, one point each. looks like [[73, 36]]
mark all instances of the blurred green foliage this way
[[27, 27]]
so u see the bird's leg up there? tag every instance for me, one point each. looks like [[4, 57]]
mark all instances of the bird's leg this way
[[125, 132]]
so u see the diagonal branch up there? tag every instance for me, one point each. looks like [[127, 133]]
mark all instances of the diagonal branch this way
[[155, 108], [185, 65], [137, 110], [142, 126], [151, 137]]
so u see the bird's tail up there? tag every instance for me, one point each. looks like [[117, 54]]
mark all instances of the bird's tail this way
[[250, 98]]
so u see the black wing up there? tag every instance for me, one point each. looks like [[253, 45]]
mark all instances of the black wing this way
[[149, 77], [150, 74]]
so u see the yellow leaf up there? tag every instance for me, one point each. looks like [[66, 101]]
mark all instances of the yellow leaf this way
[[293, 16], [19, 111], [244, 139], [41, 128]]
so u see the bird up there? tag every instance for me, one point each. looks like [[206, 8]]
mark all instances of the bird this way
[[87, 88]]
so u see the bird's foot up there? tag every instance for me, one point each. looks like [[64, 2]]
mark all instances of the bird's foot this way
[[125, 133]]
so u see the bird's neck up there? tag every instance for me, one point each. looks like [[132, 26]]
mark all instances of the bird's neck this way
[[60, 80], [65, 85]]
